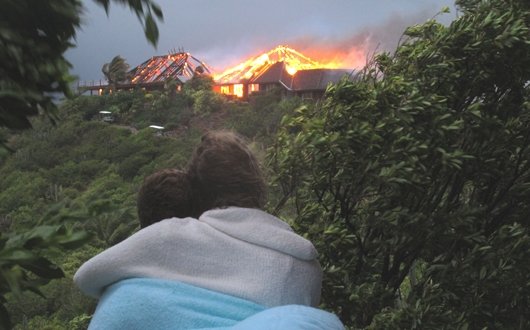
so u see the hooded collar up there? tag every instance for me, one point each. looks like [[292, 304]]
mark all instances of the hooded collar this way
[[260, 228]]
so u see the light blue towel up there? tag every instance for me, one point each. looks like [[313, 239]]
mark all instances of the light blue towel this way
[[142, 303], [290, 317], [145, 303]]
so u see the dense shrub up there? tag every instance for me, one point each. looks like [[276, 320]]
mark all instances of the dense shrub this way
[[414, 180]]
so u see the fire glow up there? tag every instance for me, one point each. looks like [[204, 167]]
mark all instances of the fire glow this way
[[293, 60], [160, 68]]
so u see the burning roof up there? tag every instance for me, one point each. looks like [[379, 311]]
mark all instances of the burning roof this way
[[307, 79], [317, 79], [282, 66], [262, 65], [180, 66]]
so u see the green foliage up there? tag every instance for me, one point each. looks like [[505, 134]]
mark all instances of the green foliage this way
[[44, 323], [207, 101], [79, 322], [138, 109], [31, 52], [199, 82], [20, 189], [200, 96], [84, 106], [27, 253], [62, 305], [112, 226], [34, 35], [115, 71], [262, 118], [414, 180]]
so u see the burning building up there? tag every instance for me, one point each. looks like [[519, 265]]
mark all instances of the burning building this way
[[154, 73], [180, 67], [283, 68]]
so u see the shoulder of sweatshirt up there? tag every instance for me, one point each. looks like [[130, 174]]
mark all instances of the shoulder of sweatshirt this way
[[123, 259], [153, 245], [252, 226]]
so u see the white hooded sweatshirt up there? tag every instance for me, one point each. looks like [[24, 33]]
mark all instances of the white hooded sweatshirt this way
[[246, 253]]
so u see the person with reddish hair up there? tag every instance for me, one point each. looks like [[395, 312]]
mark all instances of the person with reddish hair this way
[[224, 172], [228, 264]]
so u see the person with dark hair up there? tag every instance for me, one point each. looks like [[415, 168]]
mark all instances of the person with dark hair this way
[[164, 194], [231, 265]]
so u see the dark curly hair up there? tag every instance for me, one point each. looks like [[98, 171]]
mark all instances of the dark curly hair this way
[[164, 194]]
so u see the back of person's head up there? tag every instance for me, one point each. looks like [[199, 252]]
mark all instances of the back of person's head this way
[[224, 172], [164, 194]]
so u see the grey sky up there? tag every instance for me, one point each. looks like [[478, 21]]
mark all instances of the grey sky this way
[[222, 33]]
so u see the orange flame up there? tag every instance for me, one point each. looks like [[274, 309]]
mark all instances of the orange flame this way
[[293, 60]]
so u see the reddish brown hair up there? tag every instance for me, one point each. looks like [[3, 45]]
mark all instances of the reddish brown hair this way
[[164, 194], [224, 172]]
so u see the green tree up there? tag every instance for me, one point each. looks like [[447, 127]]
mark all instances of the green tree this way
[[414, 179], [206, 101], [199, 82], [28, 253], [112, 227], [116, 71], [34, 36]]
